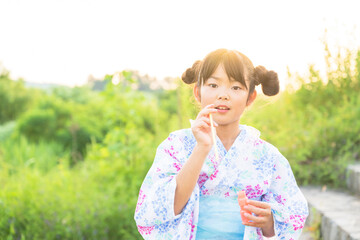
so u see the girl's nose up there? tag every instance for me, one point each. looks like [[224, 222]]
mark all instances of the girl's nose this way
[[223, 96]]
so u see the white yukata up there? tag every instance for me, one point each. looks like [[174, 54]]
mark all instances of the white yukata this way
[[251, 165]]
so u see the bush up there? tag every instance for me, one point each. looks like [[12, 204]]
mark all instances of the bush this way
[[14, 98], [315, 127]]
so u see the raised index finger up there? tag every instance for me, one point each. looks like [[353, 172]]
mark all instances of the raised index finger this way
[[258, 204], [207, 110]]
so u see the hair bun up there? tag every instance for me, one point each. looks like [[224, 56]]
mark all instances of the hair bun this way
[[268, 79], [191, 74]]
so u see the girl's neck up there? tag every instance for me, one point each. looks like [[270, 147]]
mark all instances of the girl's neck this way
[[228, 134]]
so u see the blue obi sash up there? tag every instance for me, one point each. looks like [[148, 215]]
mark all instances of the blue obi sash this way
[[219, 218]]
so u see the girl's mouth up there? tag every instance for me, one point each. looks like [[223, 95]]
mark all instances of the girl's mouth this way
[[222, 109]]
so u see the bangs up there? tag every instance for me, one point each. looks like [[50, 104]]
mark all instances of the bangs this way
[[234, 67], [232, 62]]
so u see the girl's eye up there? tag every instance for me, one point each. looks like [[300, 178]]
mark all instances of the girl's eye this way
[[212, 85], [236, 88]]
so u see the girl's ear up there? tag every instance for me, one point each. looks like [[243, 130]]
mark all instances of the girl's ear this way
[[196, 91], [251, 98]]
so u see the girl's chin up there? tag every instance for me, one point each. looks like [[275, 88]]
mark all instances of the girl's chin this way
[[226, 123]]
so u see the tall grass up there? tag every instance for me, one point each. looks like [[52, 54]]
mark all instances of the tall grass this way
[[17, 153]]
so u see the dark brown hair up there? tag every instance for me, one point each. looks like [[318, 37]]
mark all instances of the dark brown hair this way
[[237, 66]]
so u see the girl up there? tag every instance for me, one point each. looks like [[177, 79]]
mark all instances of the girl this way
[[191, 193]]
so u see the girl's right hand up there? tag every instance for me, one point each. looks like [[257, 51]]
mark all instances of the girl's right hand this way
[[201, 127]]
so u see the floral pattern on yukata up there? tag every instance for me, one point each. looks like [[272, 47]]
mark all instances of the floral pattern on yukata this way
[[251, 164]]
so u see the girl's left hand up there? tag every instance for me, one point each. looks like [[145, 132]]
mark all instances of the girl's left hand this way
[[263, 216]]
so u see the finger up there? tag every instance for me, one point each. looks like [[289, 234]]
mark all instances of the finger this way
[[255, 219], [194, 123], [258, 211], [205, 119], [252, 224], [210, 106], [258, 204], [202, 125], [206, 111]]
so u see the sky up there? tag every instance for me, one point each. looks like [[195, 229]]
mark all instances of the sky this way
[[63, 42]]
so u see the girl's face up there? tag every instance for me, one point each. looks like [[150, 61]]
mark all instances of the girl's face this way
[[229, 97]]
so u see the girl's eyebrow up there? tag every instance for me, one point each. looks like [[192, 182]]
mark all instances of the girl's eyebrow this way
[[214, 77], [220, 79]]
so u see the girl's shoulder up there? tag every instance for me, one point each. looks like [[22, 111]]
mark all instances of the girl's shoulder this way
[[186, 132], [179, 144], [181, 136], [252, 136], [250, 131]]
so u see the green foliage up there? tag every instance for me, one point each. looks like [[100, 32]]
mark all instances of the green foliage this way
[[179, 105], [316, 127], [81, 95], [47, 193], [93, 199], [14, 98], [6, 130], [65, 204], [18, 152], [66, 123]]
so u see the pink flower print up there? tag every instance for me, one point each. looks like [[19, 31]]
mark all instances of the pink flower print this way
[[253, 192], [213, 176], [205, 192], [258, 142], [280, 200], [158, 170], [191, 222], [145, 230], [259, 232], [266, 182], [278, 177], [212, 159], [177, 166], [227, 194], [192, 226], [258, 189], [202, 179], [141, 200], [298, 221], [171, 153], [247, 190]]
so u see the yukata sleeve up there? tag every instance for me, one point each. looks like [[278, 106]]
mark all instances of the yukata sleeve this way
[[288, 204], [154, 214]]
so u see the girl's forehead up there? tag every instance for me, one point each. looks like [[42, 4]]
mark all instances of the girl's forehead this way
[[224, 78], [220, 74]]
